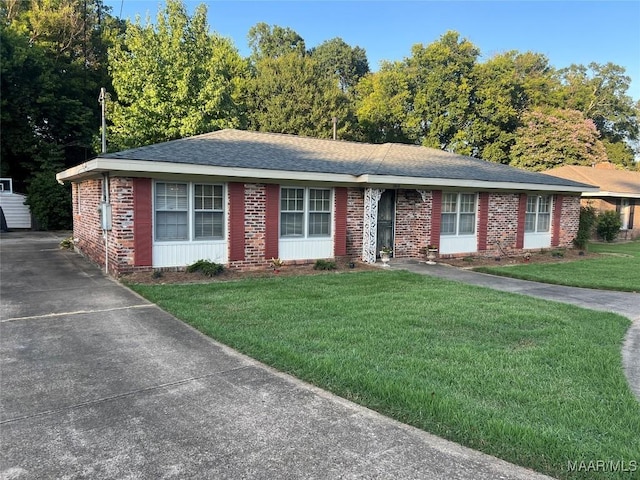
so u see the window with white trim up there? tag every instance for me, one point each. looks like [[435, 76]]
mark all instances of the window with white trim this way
[[538, 214], [187, 211], [305, 212], [208, 211], [458, 214]]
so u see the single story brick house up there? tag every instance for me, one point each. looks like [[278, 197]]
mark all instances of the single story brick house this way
[[618, 190], [241, 198]]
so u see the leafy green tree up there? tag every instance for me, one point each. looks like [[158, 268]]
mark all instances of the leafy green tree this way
[[506, 86], [600, 93], [383, 103], [274, 41], [557, 137], [289, 94], [173, 79], [441, 84], [52, 61], [339, 60]]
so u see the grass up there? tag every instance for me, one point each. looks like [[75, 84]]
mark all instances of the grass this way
[[617, 269], [530, 381]]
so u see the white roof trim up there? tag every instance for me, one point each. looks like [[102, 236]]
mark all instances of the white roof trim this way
[[611, 194], [144, 167]]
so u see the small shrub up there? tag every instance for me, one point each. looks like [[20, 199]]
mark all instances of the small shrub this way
[[557, 254], [67, 243], [324, 265], [206, 267], [588, 218], [156, 274], [608, 226]]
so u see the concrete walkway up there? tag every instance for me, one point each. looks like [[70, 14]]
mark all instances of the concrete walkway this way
[[99, 383], [626, 304]]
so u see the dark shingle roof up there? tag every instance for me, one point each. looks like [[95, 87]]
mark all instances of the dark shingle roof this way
[[257, 150]]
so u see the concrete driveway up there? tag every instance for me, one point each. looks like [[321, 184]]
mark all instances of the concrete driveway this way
[[98, 383]]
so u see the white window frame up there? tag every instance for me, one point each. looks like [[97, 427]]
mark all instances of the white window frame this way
[[306, 212], [216, 211], [459, 214], [625, 213], [190, 213], [535, 216]]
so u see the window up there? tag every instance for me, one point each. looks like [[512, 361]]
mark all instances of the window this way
[[305, 212], [172, 207], [538, 214], [184, 207], [625, 210], [208, 222], [458, 216]]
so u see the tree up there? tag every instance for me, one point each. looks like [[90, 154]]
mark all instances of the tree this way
[[506, 86], [289, 94], [383, 103], [274, 41], [441, 84], [174, 79], [556, 137], [52, 59], [600, 93], [338, 60]]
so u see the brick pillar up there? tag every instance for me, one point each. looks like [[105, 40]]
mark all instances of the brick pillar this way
[[236, 222], [522, 211], [340, 215], [557, 217], [436, 217], [272, 223]]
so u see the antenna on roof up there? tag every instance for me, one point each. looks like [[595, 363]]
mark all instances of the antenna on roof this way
[[103, 102]]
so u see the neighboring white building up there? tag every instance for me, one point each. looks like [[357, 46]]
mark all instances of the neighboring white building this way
[[15, 211]]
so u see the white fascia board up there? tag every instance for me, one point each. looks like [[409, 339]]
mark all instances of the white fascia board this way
[[142, 167], [139, 167], [474, 184], [611, 194]]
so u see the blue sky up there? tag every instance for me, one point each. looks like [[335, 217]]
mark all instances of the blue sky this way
[[565, 31]]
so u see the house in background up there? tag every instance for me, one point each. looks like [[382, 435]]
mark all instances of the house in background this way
[[619, 190], [241, 198], [16, 212]]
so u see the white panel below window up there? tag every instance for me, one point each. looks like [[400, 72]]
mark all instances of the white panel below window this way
[[450, 244], [537, 240], [305, 248], [181, 254]]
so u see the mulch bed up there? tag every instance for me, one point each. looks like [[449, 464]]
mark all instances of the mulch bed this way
[[168, 277]]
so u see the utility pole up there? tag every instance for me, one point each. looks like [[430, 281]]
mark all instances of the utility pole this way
[[103, 102]]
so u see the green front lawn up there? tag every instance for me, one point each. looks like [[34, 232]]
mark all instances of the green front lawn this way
[[530, 381], [618, 268]]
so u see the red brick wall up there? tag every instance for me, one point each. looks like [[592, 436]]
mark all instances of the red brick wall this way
[[86, 220], [355, 218], [556, 220], [570, 220], [254, 228], [483, 220], [502, 222], [522, 212], [417, 222], [412, 223]]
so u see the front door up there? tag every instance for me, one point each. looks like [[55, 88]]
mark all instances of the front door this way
[[386, 216]]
